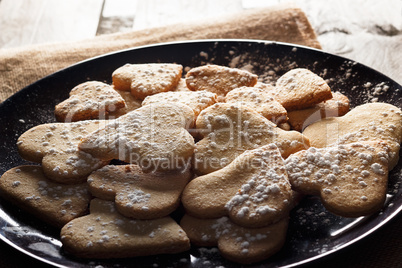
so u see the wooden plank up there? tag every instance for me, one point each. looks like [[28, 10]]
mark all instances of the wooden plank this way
[[24, 22], [367, 31], [117, 16], [154, 13]]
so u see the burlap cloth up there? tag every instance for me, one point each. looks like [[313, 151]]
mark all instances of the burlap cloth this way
[[20, 67]]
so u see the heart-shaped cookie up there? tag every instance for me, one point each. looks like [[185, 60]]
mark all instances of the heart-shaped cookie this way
[[337, 106], [137, 194], [196, 100], [147, 79], [236, 243], [54, 203], [89, 100], [218, 79], [132, 103], [253, 190], [105, 233], [228, 130], [300, 88], [154, 137], [351, 179], [371, 121], [55, 145], [260, 100]]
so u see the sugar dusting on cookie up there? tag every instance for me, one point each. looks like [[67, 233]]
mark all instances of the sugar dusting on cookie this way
[[56, 147], [104, 233], [269, 182], [351, 179]]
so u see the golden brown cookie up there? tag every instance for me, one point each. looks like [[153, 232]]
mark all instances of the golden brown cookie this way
[[55, 145], [54, 203], [154, 137], [236, 243], [147, 79], [132, 103], [371, 121], [300, 88], [228, 130], [253, 190], [351, 179], [105, 233], [337, 106], [89, 100], [137, 194], [218, 79], [196, 100], [181, 86], [260, 100]]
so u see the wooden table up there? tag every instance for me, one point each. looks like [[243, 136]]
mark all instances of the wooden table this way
[[369, 32]]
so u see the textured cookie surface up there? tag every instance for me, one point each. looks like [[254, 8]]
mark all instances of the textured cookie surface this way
[[260, 100], [300, 88], [181, 86], [147, 79], [371, 121], [132, 103], [105, 233], [196, 100], [137, 194], [153, 136], [337, 106], [351, 179], [55, 145], [236, 243], [229, 130], [55, 203], [253, 190], [89, 100], [218, 79]]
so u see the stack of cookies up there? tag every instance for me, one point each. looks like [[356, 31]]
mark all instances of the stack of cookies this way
[[233, 154]]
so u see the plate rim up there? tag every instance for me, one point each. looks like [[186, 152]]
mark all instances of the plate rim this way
[[320, 256]]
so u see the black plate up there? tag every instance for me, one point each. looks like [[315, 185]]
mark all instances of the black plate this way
[[313, 232]]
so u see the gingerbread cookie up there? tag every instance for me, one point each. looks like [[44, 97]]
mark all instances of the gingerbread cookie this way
[[351, 179], [218, 79], [228, 130], [260, 100], [337, 106], [55, 145], [300, 88], [89, 100], [154, 136], [147, 79], [137, 194], [371, 121], [253, 190], [236, 243], [196, 100], [104, 233], [54, 203]]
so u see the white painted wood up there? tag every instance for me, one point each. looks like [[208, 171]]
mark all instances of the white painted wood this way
[[119, 8], [367, 31], [24, 22], [117, 16], [154, 13]]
